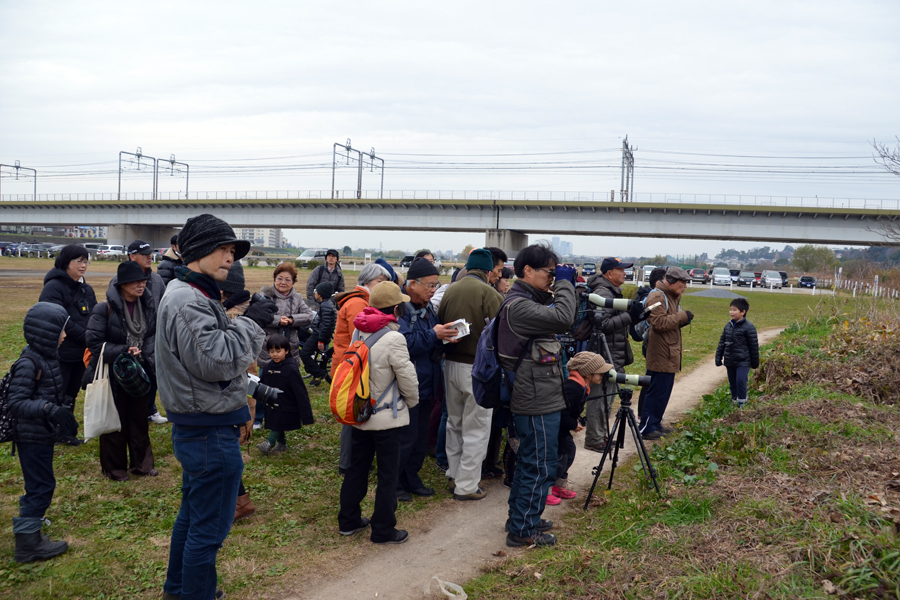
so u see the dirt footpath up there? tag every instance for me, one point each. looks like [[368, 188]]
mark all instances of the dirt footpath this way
[[456, 540]]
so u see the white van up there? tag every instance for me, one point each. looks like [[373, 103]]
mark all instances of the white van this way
[[771, 279], [317, 254]]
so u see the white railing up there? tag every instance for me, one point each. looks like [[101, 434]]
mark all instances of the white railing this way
[[756, 201]]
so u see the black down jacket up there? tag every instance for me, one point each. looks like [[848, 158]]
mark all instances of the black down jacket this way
[[613, 323], [323, 325], [33, 386], [290, 409], [109, 326], [167, 266], [738, 346], [78, 298]]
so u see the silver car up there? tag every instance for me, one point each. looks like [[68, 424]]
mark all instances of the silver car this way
[[721, 276]]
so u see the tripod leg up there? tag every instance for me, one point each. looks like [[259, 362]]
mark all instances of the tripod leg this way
[[620, 443], [644, 456], [599, 468]]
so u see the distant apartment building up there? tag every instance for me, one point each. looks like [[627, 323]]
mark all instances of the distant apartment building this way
[[561, 247], [267, 238]]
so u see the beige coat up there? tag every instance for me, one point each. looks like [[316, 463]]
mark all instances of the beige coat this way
[[664, 343], [389, 359]]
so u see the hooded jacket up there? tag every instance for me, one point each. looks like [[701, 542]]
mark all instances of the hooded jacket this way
[[472, 299], [78, 298], [388, 360], [291, 306], [167, 265], [531, 313], [349, 305], [738, 346], [424, 347], [109, 326], [291, 409], [613, 323], [203, 358], [320, 274], [29, 392], [323, 325], [664, 342]]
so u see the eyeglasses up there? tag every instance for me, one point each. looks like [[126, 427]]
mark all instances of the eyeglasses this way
[[284, 280], [550, 272], [82, 261], [430, 286]]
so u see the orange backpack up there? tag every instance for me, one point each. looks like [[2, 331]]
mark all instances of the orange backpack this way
[[350, 397]]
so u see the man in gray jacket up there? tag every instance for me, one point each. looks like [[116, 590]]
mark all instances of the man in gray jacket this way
[[330, 272], [529, 322], [203, 358], [613, 324]]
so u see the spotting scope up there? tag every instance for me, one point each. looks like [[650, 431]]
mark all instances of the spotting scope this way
[[623, 304], [260, 391], [623, 378]]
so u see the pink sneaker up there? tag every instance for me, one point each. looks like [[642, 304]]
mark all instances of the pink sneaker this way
[[564, 493], [552, 500]]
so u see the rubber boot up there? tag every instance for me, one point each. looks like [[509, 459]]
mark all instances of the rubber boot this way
[[31, 543], [244, 508]]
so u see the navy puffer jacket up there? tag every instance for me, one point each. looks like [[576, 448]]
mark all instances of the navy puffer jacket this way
[[738, 346], [78, 298], [33, 386], [326, 319], [109, 326]]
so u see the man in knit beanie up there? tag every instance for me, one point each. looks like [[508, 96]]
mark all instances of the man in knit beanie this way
[[204, 357]]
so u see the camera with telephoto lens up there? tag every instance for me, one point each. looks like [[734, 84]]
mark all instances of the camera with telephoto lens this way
[[260, 391], [626, 379], [623, 304]]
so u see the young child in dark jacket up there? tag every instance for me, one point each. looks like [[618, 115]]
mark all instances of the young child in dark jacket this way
[[585, 369], [322, 331], [290, 409], [738, 350]]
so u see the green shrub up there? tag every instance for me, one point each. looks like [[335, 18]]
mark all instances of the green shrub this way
[[252, 262], [313, 264]]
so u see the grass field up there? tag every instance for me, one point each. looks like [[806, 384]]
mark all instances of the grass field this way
[[119, 532]]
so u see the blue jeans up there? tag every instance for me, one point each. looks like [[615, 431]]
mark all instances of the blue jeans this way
[[656, 400], [737, 381], [37, 471], [535, 470], [211, 460]]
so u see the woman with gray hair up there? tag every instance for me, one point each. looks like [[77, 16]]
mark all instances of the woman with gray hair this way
[[349, 305]]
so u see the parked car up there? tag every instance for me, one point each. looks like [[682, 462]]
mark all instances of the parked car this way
[[699, 275], [784, 278], [54, 250], [588, 269], [8, 248], [645, 272], [746, 278], [111, 250], [807, 281], [629, 274], [721, 276], [758, 275], [771, 279], [437, 263], [735, 273], [407, 261], [317, 254]]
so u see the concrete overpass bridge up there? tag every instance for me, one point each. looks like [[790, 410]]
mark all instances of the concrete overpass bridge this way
[[506, 222]]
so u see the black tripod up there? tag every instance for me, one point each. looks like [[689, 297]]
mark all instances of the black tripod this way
[[618, 441]]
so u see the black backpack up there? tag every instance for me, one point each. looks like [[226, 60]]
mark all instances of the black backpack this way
[[7, 420]]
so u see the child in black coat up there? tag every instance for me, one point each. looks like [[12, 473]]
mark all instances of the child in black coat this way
[[320, 334], [738, 350], [290, 409]]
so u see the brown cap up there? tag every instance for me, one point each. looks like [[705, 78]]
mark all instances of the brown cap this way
[[678, 273], [588, 363], [385, 294]]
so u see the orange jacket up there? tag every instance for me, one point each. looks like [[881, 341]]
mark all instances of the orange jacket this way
[[350, 304]]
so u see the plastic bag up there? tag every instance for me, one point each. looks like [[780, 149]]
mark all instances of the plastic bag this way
[[450, 590]]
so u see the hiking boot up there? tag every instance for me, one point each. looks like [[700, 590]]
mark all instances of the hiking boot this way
[[157, 418], [424, 492], [538, 539], [553, 500], [244, 508], [598, 447], [478, 494], [279, 448], [31, 543], [666, 430], [315, 382], [363, 523], [564, 493], [404, 496], [399, 536], [264, 446], [653, 435], [542, 526]]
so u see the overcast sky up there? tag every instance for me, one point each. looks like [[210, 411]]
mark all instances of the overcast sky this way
[[455, 96]]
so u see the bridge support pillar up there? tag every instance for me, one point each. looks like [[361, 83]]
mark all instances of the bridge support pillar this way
[[156, 236], [507, 240]]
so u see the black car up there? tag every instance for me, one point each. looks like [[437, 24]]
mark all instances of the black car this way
[[589, 269], [407, 261], [784, 278], [807, 281], [746, 278]]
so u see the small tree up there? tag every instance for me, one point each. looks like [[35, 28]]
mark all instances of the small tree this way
[[465, 252], [810, 258], [347, 251], [889, 158]]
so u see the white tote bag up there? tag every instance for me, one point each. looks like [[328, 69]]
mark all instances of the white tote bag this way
[[100, 414]]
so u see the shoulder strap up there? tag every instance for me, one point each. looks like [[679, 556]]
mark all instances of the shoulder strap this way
[[373, 339], [495, 335]]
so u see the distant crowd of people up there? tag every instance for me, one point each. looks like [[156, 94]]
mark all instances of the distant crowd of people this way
[[198, 334]]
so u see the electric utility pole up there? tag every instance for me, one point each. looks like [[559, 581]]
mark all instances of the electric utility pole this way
[[360, 159], [135, 159], [171, 166], [626, 192], [19, 167]]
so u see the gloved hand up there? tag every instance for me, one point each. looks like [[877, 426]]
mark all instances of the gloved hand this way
[[564, 273], [239, 298], [636, 312], [63, 419], [718, 362], [690, 316], [261, 310], [68, 403]]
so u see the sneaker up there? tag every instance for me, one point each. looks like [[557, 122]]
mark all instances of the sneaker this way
[[257, 426], [157, 418], [265, 447], [564, 493], [741, 402], [363, 523], [404, 496], [279, 447], [553, 500], [538, 539], [400, 536], [595, 447], [653, 435], [542, 526], [478, 494]]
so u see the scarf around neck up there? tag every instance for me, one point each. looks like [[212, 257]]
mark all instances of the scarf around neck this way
[[204, 283], [134, 325]]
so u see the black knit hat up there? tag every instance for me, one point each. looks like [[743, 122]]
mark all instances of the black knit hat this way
[[235, 282], [129, 271], [325, 289], [201, 235], [333, 251], [421, 267]]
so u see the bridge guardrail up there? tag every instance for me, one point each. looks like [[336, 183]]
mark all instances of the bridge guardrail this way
[[438, 195]]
